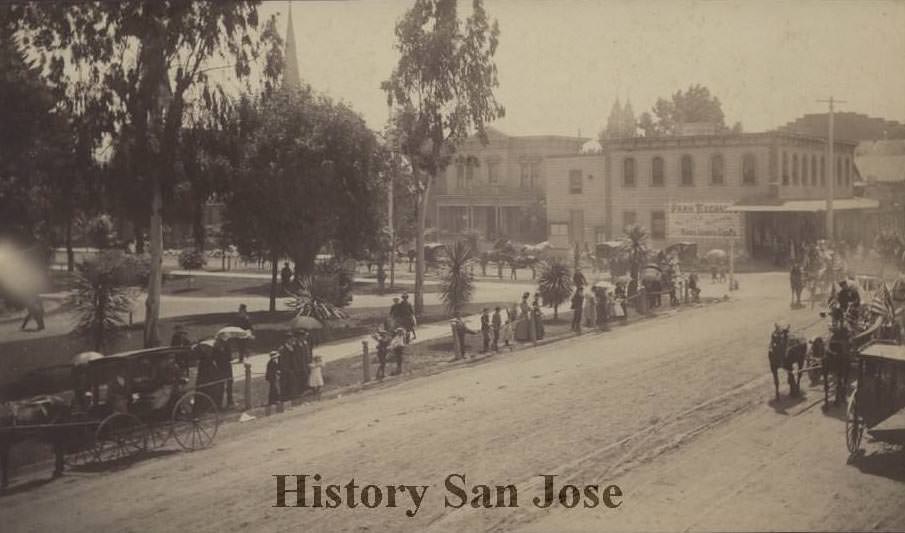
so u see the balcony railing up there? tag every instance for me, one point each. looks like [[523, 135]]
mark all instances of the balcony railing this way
[[484, 190]]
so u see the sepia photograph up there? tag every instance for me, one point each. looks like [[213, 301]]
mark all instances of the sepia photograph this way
[[452, 265]]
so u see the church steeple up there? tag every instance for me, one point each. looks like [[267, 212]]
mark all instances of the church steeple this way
[[291, 73]]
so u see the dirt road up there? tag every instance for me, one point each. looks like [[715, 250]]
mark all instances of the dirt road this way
[[676, 410]]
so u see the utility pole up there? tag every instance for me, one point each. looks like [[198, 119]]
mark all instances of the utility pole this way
[[831, 163]]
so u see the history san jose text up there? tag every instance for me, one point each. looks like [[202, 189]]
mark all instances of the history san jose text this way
[[306, 490]]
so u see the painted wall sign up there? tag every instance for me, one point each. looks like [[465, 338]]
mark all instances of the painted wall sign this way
[[690, 220]]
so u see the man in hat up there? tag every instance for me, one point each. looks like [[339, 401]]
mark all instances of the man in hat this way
[[407, 318], [242, 320], [485, 329], [382, 337], [289, 371], [272, 375], [180, 337]]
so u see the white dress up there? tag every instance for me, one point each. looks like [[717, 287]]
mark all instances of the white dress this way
[[316, 376]]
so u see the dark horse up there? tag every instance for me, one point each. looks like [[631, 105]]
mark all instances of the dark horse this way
[[787, 351], [37, 412]]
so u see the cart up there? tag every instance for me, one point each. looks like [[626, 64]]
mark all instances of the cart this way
[[127, 403], [878, 393]]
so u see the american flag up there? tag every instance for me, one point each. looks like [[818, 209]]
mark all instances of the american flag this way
[[882, 304]]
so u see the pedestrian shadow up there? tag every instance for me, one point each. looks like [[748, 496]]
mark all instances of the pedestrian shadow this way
[[785, 402], [122, 462], [834, 410], [25, 486]]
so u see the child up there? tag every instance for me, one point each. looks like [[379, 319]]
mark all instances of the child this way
[[272, 375], [397, 345], [383, 345], [316, 376]]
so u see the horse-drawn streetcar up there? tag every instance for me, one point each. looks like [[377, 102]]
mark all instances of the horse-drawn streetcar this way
[[878, 393]]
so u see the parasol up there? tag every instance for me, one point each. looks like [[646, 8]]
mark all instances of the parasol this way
[[604, 285], [650, 273], [305, 322], [234, 332], [86, 357], [716, 255]]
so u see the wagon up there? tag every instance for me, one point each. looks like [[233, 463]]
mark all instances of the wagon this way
[[127, 403], [877, 395]]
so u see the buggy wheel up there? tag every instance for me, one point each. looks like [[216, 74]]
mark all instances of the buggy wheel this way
[[195, 421], [854, 426], [120, 437]]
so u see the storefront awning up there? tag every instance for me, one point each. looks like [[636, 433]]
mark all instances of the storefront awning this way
[[805, 206]]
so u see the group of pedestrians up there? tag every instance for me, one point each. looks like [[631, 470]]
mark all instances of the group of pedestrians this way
[[293, 368]]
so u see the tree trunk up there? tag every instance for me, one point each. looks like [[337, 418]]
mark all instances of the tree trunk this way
[[70, 255], [152, 304], [199, 232], [555, 312], [275, 259], [421, 207]]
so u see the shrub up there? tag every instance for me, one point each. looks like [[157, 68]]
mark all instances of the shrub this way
[[555, 284], [102, 296], [192, 259], [457, 283]]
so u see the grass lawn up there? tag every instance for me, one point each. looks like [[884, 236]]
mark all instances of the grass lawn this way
[[215, 286]]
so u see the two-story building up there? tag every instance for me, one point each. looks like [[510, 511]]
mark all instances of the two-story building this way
[[497, 189], [760, 190]]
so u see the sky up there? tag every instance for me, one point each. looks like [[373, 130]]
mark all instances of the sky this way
[[562, 63]]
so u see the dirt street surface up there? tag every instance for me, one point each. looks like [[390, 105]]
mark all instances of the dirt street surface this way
[[676, 410]]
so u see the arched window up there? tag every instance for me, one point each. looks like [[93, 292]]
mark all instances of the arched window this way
[[717, 170], [656, 172], [804, 170], [628, 172], [785, 168], [813, 170], [794, 169], [687, 167], [749, 169]]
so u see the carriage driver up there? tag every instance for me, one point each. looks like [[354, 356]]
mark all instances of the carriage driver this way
[[847, 298]]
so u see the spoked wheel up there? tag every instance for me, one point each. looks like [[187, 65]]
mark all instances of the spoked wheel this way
[[195, 421], [854, 426], [120, 437]]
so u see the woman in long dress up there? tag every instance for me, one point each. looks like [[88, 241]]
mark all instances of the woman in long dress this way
[[521, 327], [590, 310]]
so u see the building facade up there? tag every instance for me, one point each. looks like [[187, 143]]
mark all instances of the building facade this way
[[497, 190], [757, 189]]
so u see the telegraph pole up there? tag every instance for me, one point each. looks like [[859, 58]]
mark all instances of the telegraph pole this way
[[831, 163]]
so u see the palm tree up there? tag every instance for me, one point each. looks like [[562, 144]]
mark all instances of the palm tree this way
[[555, 284], [102, 297], [457, 283], [634, 248]]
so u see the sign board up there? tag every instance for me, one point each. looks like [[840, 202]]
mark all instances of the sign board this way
[[696, 220]]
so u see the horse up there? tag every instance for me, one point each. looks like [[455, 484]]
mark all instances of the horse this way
[[15, 419], [787, 351]]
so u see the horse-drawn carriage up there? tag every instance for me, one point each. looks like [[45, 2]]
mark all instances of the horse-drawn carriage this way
[[121, 405], [877, 394]]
